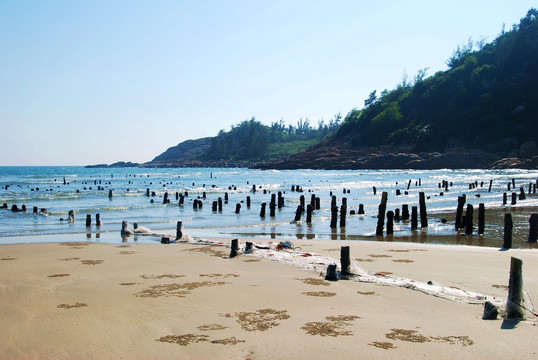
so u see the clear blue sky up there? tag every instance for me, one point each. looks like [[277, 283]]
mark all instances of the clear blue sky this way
[[86, 82]]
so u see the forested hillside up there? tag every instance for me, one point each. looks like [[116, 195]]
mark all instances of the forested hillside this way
[[487, 99]]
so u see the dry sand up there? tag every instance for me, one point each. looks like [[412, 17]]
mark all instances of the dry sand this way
[[184, 301]]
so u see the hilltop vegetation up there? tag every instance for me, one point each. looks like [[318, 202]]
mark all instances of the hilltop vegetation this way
[[485, 100]]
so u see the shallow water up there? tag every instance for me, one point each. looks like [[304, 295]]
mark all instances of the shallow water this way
[[86, 191]]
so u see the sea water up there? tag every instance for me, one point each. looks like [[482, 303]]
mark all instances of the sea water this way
[[86, 191]]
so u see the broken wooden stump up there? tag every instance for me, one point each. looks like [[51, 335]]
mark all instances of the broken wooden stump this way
[[507, 238]]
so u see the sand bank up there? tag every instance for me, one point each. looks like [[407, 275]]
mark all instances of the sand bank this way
[[185, 301]]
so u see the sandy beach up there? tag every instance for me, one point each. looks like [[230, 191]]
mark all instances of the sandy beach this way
[[191, 301]]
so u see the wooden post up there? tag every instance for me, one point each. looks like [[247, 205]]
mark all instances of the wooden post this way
[[390, 222], [505, 199], [533, 228], [331, 273], [234, 248], [181, 199], [513, 183], [375, 190], [522, 194], [507, 244], [298, 212], [248, 247], [110, 194], [88, 220], [515, 290], [469, 220], [302, 201], [248, 202], [237, 208], [514, 197], [481, 218], [262, 210], [397, 215], [219, 204], [35, 210], [309, 213], [380, 219], [179, 230], [334, 216], [343, 213], [318, 203], [405, 212], [459, 212], [414, 217], [272, 205], [147, 192], [281, 200], [98, 221], [344, 261], [423, 215], [490, 183], [361, 209], [214, 206], [71, 216]]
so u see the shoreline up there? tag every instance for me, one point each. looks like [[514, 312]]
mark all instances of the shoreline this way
[[89, 300]]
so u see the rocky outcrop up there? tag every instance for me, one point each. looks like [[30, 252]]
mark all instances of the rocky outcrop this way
[[333, 158]]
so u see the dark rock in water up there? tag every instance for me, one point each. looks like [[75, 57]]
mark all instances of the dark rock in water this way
[[490, 311]]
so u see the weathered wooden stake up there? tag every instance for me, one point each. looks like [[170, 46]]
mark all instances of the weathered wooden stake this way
[[88, 220], [334, 216], [361, 209], [309, 213], [298, 212], [110, 194], [514, 198], [505, 198], [423, 214], [71, 216], [507, 244], [459, 212], [234, 248], [533, 228], [237, 208], [343, 213], [522, 194], [481, 218], [397, 215], [390, 222], [515, 290], [405, 212], [469, 220], [345, 261], [248, 202], [414, 217], [219, 204], [179, 230], [262, 210], [380, 219], [331, 273], [248, 247]]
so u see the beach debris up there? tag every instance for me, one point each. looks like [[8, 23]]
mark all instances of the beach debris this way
[[248, 248], [259, 320]]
